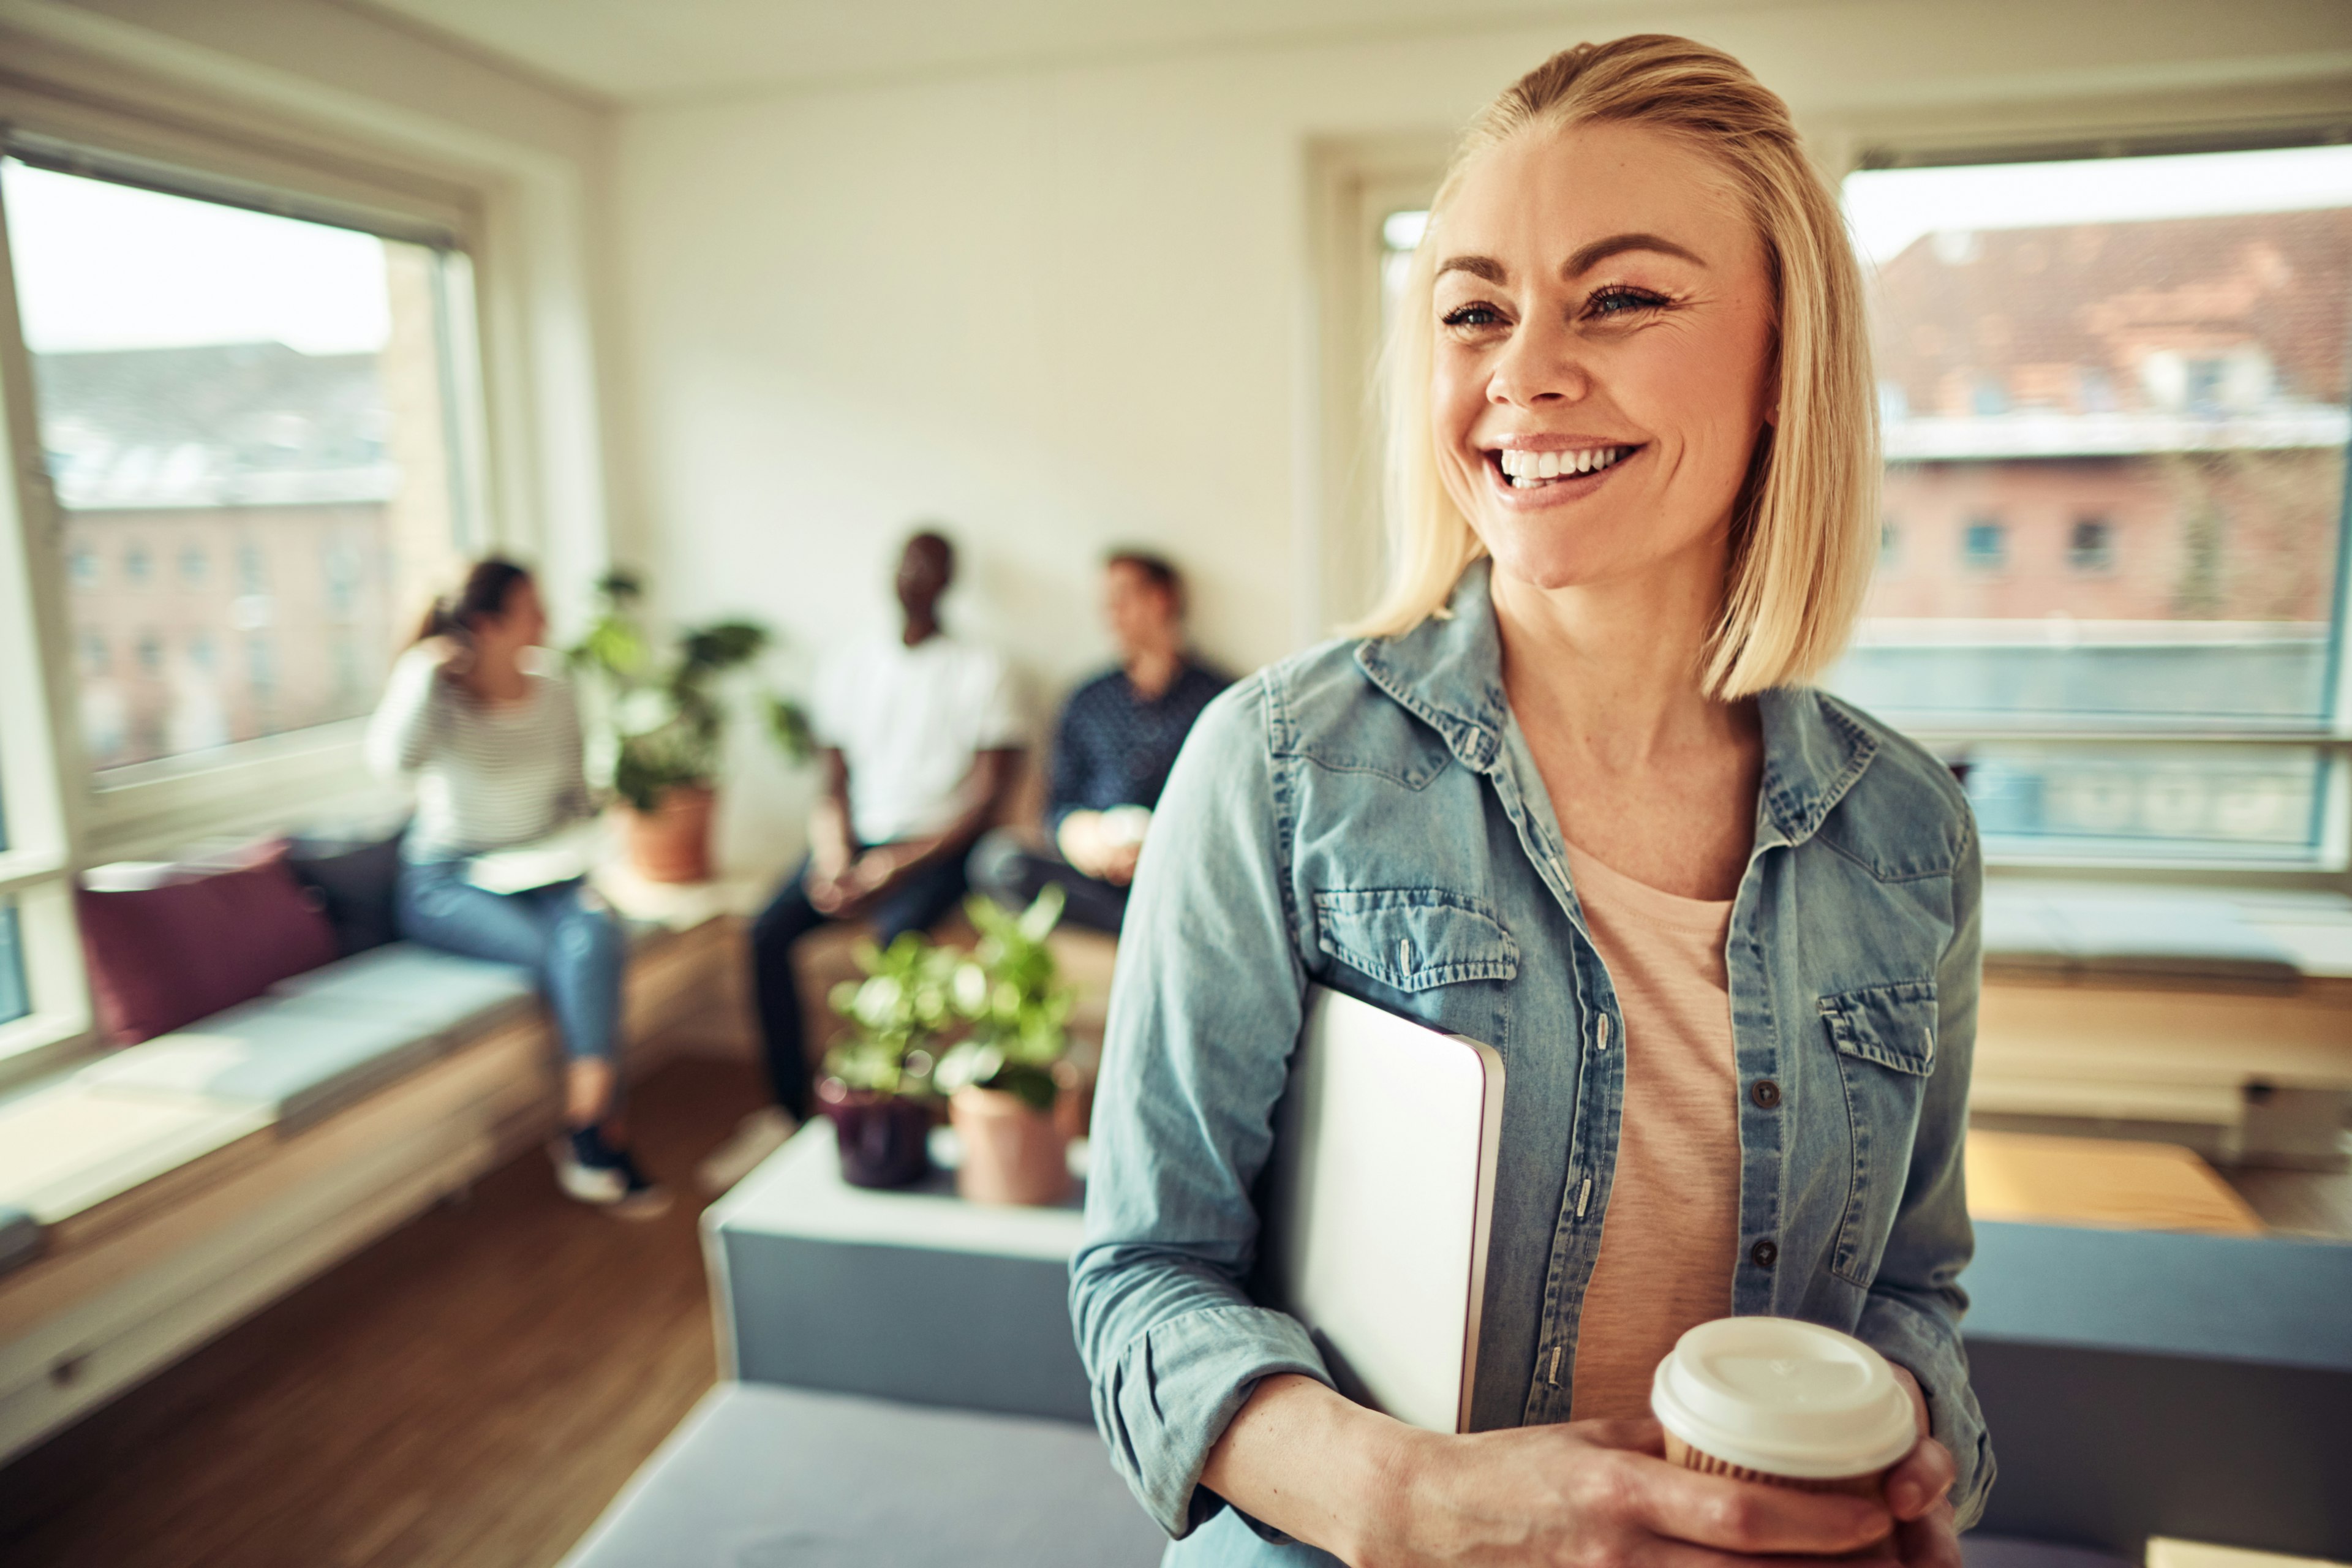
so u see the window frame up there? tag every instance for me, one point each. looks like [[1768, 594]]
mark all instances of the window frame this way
[[152, 809], [521, 399], [2329, 863]]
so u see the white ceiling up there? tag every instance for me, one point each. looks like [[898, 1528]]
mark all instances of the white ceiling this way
[[637, 52]]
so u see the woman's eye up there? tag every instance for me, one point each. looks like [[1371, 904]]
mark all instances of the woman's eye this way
[[1621, 302], [1472, 316]]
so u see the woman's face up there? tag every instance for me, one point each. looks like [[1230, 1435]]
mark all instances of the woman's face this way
[[1603, 353], [521, 623]]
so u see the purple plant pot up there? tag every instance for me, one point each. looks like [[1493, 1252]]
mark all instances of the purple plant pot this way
[[885, 1139]]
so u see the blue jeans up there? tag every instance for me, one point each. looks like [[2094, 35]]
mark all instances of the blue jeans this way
[[571, 946], [914, 905]]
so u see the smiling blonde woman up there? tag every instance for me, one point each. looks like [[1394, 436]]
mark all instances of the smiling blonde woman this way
[[1723, 927]]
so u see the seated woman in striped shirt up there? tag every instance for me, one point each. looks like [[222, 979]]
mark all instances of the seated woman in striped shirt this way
[[494, 744]]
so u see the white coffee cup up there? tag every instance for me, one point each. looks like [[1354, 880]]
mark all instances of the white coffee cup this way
[[1788, 1403]]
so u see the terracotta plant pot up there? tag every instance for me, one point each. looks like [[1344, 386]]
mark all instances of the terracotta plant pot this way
[[885, 1139], [671, 843], [1074, 1106], [1011, 1154]]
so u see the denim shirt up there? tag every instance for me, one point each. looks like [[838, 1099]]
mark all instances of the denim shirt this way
[[1367, 816]]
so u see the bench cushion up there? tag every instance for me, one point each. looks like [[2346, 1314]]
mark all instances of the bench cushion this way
[[444, 995], [766, 1475], [20, 1237], [299, 1058], [163, 957]]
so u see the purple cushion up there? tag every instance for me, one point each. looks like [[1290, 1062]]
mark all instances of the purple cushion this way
[[163, 957]]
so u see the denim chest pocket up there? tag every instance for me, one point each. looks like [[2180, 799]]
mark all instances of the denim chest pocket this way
[[1884, 1041], [1414, 939]]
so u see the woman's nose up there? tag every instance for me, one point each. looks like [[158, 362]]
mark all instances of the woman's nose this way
[[1539, 367]]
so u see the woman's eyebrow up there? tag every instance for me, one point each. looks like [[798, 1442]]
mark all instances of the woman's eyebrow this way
[[1485, 267], [1582, 261], [1589, 257]]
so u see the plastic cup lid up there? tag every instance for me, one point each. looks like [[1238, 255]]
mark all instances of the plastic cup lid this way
[[1784, 1397]]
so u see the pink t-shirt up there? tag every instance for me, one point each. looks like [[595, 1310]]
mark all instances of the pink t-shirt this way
[[1671, 1240]]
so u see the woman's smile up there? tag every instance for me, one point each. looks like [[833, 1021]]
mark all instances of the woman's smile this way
[[1527, 477]]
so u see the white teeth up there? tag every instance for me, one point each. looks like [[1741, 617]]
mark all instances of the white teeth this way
[[1527, 469]]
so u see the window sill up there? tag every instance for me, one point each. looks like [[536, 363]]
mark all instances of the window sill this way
[[258, 787]]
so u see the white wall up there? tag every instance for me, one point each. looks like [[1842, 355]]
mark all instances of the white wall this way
[[1063, 307]]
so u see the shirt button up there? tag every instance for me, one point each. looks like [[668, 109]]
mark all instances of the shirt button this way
[[1763, 1253], [1766, 1093]]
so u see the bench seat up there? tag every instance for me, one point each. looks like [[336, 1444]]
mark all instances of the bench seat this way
[[173, 1186], [760, 1473]]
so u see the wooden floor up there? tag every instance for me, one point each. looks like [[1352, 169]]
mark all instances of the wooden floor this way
[[468, 1392]]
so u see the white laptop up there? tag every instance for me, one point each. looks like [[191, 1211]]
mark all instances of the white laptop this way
[[1380, 1197]]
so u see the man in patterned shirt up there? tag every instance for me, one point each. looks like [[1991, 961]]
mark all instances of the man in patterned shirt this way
[[1118, 737]]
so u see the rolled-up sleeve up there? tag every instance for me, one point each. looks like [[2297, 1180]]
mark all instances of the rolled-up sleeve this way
[[1204, 1014], [1916, 1303]]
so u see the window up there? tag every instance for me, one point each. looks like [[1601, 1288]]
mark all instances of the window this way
[[261, 668], [16, 997], [215, 381], [1984, 545], [2091, 546], [2075, 355]]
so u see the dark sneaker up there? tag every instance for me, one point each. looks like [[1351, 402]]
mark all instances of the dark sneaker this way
[[592, 1171]]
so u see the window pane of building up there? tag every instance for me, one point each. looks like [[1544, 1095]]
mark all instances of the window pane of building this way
[[246, 427], [2114, 396], [16, 999]]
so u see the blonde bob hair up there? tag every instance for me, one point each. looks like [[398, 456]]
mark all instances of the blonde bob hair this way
[[1804, 521]]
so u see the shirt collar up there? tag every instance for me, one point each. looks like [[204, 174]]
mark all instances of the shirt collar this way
[[1448, 672]]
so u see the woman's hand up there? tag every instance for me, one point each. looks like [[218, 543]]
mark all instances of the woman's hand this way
[[1918, 1493], [452, 655], [1586, 1494], [1599, 1493]]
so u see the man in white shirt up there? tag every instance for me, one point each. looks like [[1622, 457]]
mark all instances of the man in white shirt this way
[[919, 734]]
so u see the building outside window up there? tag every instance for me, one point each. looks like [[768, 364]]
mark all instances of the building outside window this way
[[216, 381], [261, 668], [2075, 355]]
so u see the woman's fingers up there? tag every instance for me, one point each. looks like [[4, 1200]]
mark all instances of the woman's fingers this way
[[1930, 1541], [1920, 1481], [1751, 1517]]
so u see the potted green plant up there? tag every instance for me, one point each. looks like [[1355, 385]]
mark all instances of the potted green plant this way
[[668, 714], [877, 1089], [1003, 1078]]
